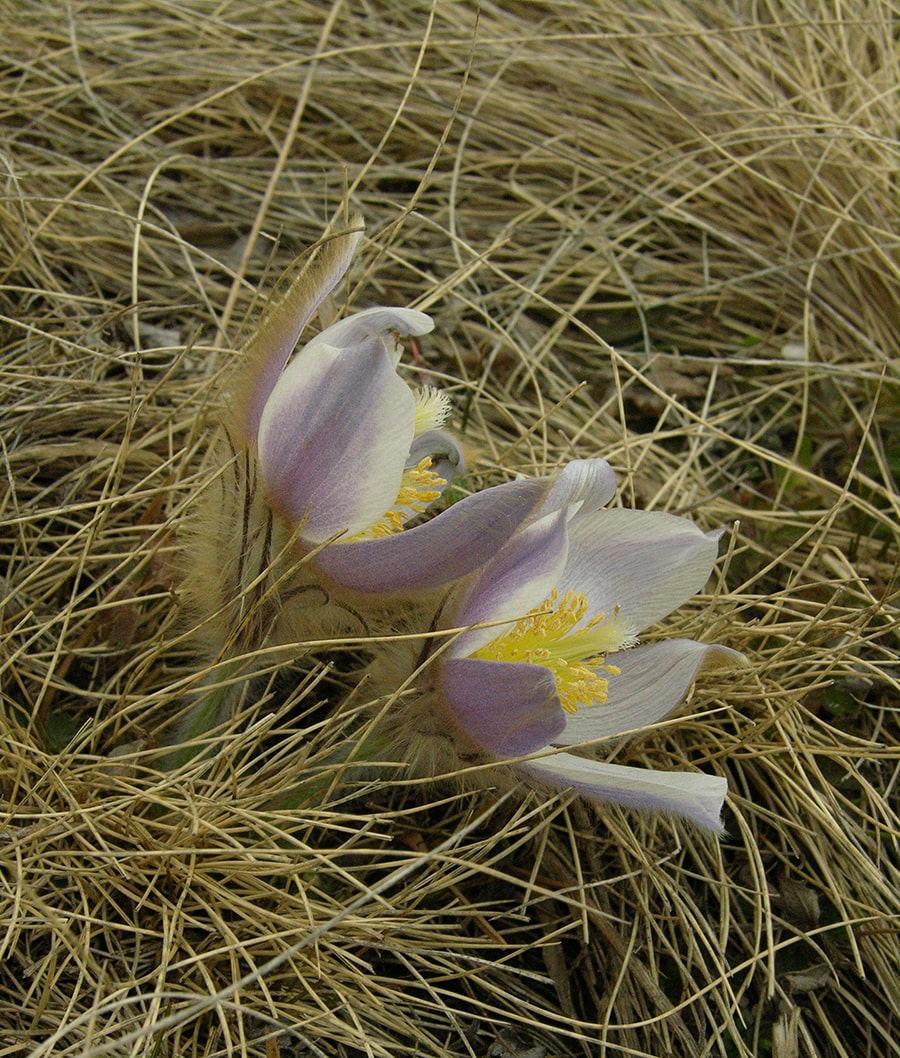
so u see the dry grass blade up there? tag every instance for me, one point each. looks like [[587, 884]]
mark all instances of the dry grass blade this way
[[664, 234]]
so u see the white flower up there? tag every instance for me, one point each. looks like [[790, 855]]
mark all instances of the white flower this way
[[588, 580]]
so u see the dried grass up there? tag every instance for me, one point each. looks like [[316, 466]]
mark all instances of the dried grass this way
[[710, 188]]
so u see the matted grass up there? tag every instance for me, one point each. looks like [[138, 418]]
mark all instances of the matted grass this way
[[709, 188]]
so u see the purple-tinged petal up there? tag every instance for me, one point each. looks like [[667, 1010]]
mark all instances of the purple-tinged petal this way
[[447, 457], [582, 486], [508, 709], [693, 795], [517, 580], [333, 440], [654, 680], [440, 551], [646, 562], [268, 350], [387, 325]]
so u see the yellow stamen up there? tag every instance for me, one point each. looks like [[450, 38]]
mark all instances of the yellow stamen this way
[[547, 636], [419, 486]]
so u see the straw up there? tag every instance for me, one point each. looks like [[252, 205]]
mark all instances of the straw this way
[[663, 234]]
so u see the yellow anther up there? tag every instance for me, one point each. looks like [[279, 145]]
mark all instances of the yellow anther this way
[[548, 636], [419, 487]]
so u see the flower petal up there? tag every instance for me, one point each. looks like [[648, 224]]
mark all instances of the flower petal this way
[[517, 580], [654, 679], [646, 562], [333, 439], [447, 457], [507, 709], [440, 551], [582, 486], [387, 325], [693, 795], [268, 350]]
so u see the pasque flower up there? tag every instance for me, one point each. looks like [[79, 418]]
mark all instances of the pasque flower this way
[[574, 586], [348, 454], [324, 458], [328, 462]]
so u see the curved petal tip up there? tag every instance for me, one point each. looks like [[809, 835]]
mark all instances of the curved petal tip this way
[[690, 795]]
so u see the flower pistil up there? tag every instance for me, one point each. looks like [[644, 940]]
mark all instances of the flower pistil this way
[[432, 409]]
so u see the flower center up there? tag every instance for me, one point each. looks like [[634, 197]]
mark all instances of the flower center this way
[[548, 636], [419, 487]]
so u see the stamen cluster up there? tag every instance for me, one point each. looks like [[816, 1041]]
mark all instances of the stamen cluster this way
[[548, 635], [419, 487]]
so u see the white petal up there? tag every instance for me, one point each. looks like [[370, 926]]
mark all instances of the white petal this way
[[387, 325], [653, 681], [646, 562], [438, 552], [693, 795], [583, 486], [515, 581], [448, 460], [508, 709], [334, 438]]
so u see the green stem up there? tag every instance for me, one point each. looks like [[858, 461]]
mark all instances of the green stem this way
[[354, 757], [207, 714]]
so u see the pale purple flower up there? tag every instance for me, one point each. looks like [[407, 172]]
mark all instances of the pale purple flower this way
[[589, 580], [335, 433], [347, 453]]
